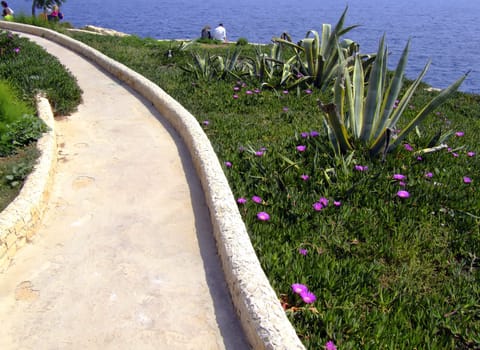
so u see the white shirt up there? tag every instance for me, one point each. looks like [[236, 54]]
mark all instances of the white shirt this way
[[220, 33]]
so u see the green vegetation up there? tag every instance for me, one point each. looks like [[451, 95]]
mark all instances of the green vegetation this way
[[390, 249], [25, 70]]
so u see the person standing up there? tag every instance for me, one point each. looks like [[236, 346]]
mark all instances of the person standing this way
[[220, 33]]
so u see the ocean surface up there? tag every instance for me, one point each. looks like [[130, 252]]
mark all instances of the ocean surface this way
[[445, 31]]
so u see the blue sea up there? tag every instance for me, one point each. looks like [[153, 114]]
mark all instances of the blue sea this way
[[445, 31]]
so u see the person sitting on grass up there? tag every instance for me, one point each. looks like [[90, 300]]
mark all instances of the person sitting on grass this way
[[7, 12], [220, 33]]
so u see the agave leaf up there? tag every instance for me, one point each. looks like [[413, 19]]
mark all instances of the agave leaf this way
[[429, 108], [393, 91], [357, 112]]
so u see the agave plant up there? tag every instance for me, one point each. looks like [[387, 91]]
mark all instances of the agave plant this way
[[365, 110], [318, 58]]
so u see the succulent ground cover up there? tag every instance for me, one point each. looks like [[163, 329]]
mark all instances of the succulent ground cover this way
[[363, 252]]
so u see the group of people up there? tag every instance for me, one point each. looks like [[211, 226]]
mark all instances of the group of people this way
[[50, 13], [7, 12], [219, 33]]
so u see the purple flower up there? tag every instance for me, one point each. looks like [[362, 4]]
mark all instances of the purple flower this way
[[403, 194], [285, 92], [308, 91], [419, 158], [401, 183], [323, 201], [16, 50], [304, 135], [429, 175], [241, 200], [467, 180], [471, 154], [257, 199], [330, 345], [205, 122], [259, 153], [236, 88], [304, 177], [249, 92], [301, 148], [285, 109], [308, 297], [257, 91], [235, 96], [314, 133], [303, 251], [361, 167], [228, 164], [337, 203], [459, 133], [408, 147], [263, 216], [399, 177], [455, 154], [299, 288], [317, 206]]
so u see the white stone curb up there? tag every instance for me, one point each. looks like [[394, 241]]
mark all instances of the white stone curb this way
[[260, 312], [19, 219]]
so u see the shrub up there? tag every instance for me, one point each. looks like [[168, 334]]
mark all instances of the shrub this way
[[242, 42]]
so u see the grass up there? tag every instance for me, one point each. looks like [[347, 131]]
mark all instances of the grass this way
[[387, 272], [25, 70]]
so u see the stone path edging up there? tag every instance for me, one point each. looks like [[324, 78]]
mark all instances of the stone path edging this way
[[262, 317], [20, 218]]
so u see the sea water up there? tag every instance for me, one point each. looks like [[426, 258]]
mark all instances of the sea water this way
[[445, 31]]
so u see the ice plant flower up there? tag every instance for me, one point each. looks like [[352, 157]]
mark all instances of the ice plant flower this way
[[314, 133], [301, 148], [263, 216], [408, 147], [330, 345], [361, 167], [228, 164], [467, 180], [241, 200], [303, 251], [308, 91], [429, 175], [459, 133], [299, 288], [317, 206], [471, 154], [235, 96], [323, 201], [249, 92], [257, 199], [236, 88], [16, 50], [285, 92], [308, 297], [205, 122], [304, 177], [337, 203], [304, 135], [285, 109], [399, 177], [259, 153], [403, 194]]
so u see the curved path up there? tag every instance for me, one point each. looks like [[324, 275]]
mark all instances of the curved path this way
[[125, 256]]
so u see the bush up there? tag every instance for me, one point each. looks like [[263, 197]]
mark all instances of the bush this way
[[242, 42]]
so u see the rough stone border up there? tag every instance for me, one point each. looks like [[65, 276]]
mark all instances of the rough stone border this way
[[19, 219], [263, 318]]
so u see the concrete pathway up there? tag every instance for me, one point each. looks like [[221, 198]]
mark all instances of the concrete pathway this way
[[125, 257]]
